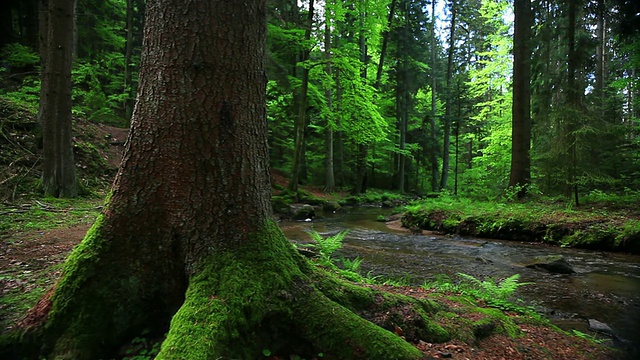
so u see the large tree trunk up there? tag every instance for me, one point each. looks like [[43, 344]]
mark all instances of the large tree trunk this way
[[520, 175], [58, 166], [188, 233]]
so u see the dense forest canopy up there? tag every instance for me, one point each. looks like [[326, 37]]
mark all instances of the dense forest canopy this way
[[409, 95]]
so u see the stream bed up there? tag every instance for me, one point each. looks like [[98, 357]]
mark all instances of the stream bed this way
[[605, 287]]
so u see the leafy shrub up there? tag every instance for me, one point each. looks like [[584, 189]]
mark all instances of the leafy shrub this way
[[18, 55]]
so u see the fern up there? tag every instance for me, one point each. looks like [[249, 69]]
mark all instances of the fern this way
[[352, 265], [489, 289], [327, 246]]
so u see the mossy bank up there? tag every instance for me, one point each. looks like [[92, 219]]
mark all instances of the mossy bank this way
[[598, 227]]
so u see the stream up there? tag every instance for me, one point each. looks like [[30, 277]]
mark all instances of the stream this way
[[606, 286]]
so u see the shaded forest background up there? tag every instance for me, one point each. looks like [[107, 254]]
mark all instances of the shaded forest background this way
[[414, 96]]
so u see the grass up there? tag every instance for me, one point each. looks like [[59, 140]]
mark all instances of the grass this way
[[48, 213]]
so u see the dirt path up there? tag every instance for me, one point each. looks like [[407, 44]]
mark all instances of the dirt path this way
[[29, 264]]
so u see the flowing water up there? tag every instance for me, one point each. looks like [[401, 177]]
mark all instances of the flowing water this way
[[606, 286]]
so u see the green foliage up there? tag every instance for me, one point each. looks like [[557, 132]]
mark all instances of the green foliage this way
[[327, 246], [589, 337], [142, 348], [27, 94], [490, 289], [18, 55], [498, 294]]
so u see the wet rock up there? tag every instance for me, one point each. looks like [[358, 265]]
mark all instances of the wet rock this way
[[331, 206], [552, 263], [303, 212], [482, 260], [595, 325]]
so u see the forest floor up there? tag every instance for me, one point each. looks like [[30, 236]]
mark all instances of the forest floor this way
[[30, 263], [37, 234]]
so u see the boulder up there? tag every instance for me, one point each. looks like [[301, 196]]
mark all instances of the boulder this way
[[552, 263], [330, 206], [597, 326], [303, 212]]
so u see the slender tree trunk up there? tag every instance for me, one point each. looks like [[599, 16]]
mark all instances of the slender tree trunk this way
[[59, 169], [362, 155], [600, 56], [43, 31], [385, 44], [329, 176], [433, 151], [520, 175], [301, 113], [572, 95], [339, 166], [446, 143], [403, 95], [128, 54]]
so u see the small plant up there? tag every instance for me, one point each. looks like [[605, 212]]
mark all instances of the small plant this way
[[352, 265], [589, 337], [327, 246], [489, 289], [142, 348]]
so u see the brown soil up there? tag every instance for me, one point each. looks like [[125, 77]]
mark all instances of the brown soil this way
[[36, 252]]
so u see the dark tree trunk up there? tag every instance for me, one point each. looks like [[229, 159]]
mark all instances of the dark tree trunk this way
[[187, 235], [520, 175], [433, 150], [362, 155], [385, 44], [301, 113], [128, 54], [58, 166], [403, 98], [329, 176], [572, 97], [446, 142]]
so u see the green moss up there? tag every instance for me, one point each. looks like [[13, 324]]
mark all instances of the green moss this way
[[347, 294], [260, 297], [527, 222], [507, 326]]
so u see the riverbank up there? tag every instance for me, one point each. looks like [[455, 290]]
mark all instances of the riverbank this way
[[31, 262], [597, 226]]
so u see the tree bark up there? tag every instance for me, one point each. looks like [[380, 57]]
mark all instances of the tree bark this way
[[128, 54], [433, 151], [572, 97], [446, 143], [301, 113], [403, 99], [362, 154], [58, 166], [329, 176], [187, 235], [385, 45], [520, 175]]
